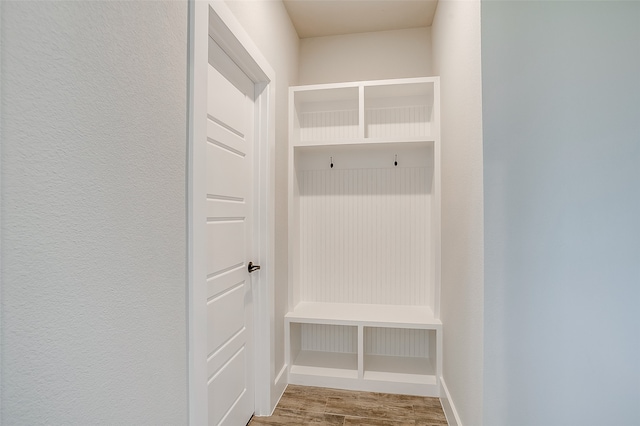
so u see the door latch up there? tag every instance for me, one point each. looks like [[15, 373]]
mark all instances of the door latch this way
[[252, 267]]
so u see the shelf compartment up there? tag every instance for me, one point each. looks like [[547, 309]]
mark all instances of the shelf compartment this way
[[326, 114], [396, 111], [400, 355], [399, 369], [333, 364], [324, 350]]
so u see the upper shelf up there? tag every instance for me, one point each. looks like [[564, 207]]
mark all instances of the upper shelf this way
[[381, 111]]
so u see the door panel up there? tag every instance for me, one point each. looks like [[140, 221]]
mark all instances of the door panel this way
[[218, 134], [225, 353], [229, 173], [230, 113], [226, 391], [225, 251], [224, 281], [222, 312], [224, 208]]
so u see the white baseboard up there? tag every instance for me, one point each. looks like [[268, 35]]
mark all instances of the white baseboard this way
[[448, 406], [279, 386]]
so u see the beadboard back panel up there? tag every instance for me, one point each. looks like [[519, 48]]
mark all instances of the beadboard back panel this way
[[377, 340], [365, 235], [381, 122], [398, 122], [328, 125], [329, 338], [396, 342]]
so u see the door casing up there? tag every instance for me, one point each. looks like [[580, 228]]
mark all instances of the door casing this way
[[214, 19]]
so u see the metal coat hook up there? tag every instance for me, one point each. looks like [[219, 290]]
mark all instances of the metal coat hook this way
[[331, 162], [395, 163]]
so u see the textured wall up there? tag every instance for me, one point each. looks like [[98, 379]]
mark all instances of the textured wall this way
[[268, 25], [456, 48], [366, 56], [93, 213], [562, 178]]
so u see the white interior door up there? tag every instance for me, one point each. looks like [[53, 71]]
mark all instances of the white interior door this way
[[230, 128]]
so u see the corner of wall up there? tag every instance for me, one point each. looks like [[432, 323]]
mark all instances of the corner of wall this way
[[456, 58]]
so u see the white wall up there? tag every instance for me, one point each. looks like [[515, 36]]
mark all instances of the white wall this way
[[270, 28], [366, 56], [93, 213], [456, 58], [562, 176]]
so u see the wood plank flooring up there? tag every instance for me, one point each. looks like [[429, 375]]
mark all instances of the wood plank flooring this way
[[306, 405]]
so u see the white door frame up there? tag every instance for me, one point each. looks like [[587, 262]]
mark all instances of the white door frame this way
[[214, 19]]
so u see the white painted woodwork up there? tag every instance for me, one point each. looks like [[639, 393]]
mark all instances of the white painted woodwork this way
[[365, 236], [366, 354], [402, 342], [376, 155], [224, 281], [398, 316], [328, 338], [327, 114], [383, 110], [397, 122], [328, 125], [398, 111], [324, 363], [223, 314], [230, 113], [227, 392], [211, 25], [401, 369], [225, 251]]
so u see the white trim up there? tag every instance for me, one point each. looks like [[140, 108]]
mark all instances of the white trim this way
[[386, 82], [281, 374], [437, 207], [264, 292], [280, 385], [447, 405], [215, 19], [196, 208], [1, 198]]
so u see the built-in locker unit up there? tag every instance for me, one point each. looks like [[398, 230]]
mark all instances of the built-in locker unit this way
[[364, 236]]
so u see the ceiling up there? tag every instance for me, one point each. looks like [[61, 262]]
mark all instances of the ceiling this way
[[318, 18]]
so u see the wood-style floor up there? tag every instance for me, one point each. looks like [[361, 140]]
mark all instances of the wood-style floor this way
[[305, 405]]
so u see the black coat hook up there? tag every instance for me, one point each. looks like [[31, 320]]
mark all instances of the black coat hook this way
[[331, 162], [395, 163]]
